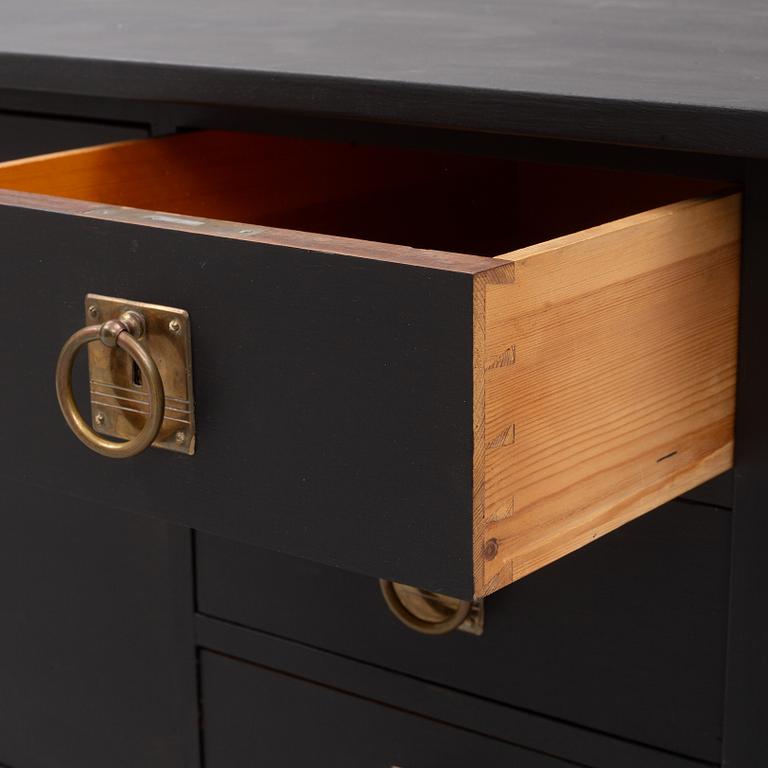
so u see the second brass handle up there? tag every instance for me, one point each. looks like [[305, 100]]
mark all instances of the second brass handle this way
[[394, 600], [113, 333]]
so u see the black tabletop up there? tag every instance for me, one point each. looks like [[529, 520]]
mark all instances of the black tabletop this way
[[689, 74]]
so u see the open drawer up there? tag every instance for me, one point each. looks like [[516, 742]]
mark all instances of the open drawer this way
[[443, 370]]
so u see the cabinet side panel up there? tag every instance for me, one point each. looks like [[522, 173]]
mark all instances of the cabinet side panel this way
[[746, 718]]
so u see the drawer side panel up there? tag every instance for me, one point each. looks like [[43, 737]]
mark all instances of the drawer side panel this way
[[609, 371]]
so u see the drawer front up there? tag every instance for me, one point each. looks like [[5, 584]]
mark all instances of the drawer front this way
[[96, 670], [625, 637], [97, 667], [256, 716], [329, 399], [445, 420]]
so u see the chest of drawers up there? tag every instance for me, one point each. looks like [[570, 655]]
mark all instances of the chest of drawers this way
[[457, 331]]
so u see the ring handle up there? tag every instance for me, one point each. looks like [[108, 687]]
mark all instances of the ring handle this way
[[454, 618], [113, 333]]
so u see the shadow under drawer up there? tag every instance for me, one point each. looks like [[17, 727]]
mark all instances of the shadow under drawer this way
[[626, 636]]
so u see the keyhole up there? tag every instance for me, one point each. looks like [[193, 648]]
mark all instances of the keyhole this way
[[136, 375]]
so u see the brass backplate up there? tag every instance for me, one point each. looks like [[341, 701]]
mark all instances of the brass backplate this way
[[119, 397]]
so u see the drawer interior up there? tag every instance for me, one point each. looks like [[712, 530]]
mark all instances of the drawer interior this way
[[426, 199]]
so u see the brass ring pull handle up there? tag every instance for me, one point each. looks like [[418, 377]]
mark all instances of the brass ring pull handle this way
[[439, 614], [120, 333]]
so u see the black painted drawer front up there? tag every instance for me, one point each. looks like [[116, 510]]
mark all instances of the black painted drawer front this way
[[95, 668], [626, 636], [299, 363], [256, 716]]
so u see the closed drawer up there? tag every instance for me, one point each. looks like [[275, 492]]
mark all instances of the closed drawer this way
[[371, 397], [256, 716], [625, 637]]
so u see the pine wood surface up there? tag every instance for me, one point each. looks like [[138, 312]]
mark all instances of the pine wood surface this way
[[607, 369]]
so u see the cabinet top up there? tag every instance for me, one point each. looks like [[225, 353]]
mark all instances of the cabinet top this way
[[686, 74]]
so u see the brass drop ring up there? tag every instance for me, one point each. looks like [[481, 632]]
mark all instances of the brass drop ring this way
[[111, 333], [405, 602]]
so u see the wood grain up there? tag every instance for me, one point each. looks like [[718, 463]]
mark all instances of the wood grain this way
[[607, 383]]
